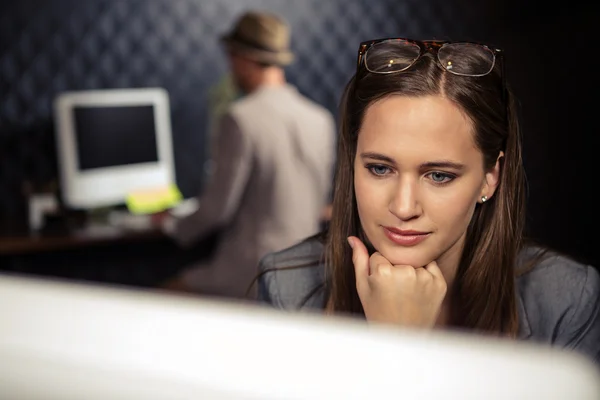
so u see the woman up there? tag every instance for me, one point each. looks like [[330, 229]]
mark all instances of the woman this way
[[428, 209]]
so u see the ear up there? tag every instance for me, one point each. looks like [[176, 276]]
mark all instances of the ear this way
[[492, 179]]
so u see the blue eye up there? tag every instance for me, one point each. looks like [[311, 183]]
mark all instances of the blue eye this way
[[378, 170], [441, 177]]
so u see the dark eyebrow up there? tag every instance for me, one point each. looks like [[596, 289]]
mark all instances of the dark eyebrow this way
[[377, 156], [443, 164], [427, 165]]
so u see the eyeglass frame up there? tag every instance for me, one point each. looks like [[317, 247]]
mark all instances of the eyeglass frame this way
[[434, 46], [426, 46]]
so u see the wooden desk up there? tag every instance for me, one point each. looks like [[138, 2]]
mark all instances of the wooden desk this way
[[24, 243], [100, 253]]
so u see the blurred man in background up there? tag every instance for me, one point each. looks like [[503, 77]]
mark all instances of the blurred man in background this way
[[220, 97], [271, 165]]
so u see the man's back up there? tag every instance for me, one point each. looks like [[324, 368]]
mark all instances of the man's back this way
[[271, 165], [291, 141]]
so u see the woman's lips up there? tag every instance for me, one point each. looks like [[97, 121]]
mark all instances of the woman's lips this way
[[405, 237]]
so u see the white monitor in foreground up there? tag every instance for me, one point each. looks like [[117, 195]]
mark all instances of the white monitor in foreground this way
[[112, 142], [65, 341]]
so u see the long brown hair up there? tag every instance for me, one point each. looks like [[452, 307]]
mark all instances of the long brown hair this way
[[483, 297]]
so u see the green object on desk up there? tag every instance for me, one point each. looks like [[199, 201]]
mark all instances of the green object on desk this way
[[153, 201]]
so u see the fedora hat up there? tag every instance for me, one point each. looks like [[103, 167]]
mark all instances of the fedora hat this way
[[262, 37]]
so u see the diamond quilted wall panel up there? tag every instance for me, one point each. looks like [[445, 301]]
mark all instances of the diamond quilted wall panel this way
[[49, 46]]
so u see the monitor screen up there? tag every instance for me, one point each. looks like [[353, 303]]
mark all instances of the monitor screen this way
[[114, 136], [112, 143]]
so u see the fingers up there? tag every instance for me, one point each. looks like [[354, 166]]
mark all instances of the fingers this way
[[438, 278], [378, 265], [434, 270]]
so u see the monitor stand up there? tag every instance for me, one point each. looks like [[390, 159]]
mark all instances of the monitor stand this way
[[101, 216], [100, 220]]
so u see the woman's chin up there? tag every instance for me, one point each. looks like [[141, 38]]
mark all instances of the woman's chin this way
[[404, 257]]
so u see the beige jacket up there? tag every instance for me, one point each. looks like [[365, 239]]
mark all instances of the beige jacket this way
[[272, 177]]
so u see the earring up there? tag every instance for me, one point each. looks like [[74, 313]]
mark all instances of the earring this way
[[483, 199]]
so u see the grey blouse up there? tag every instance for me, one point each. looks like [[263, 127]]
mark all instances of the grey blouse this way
[[558, 299]]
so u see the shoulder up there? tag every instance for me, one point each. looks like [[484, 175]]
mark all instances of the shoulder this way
[[560, 300], [318, 111], [290, 276], [245, 109], [230, 134], [309, 106], [242, 107]]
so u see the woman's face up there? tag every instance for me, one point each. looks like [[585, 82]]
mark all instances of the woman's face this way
[[418, 177]]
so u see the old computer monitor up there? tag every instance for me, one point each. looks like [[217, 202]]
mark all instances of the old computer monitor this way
[[112, 142], [70, 341]]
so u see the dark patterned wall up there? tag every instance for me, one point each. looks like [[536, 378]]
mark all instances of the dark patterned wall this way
[[47, 46], [50, 46]]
